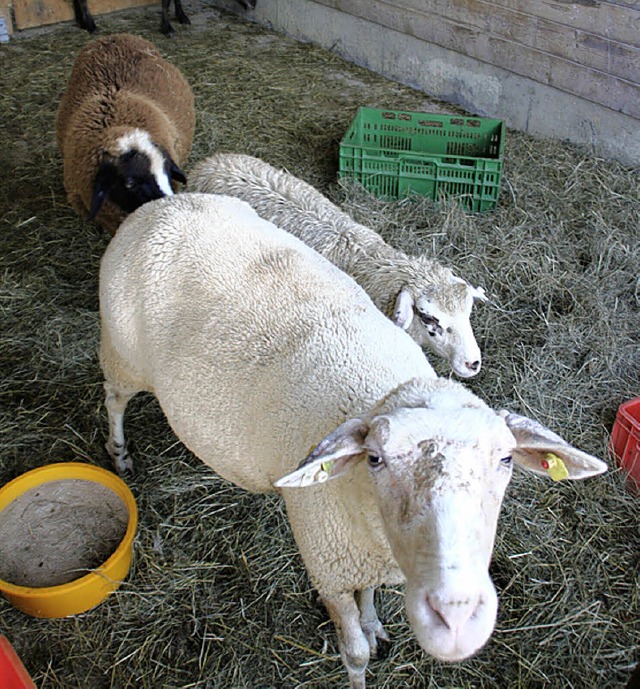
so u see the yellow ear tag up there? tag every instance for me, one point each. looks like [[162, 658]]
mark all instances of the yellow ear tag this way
[[555, 467], [324, 472]]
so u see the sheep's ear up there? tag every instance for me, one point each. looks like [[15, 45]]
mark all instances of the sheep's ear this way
[[103, 185], [175, 172], [545, 453], [403, 312], [478, 293], [333, 456]]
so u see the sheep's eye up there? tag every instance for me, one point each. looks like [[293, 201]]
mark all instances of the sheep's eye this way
[[129, 182], [507, 461], [374, 461]]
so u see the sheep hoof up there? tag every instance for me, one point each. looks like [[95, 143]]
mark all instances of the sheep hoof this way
[[182, 18], [87, 24], [379, 642], [121, 459], [125, 469], [382, 649], [168, 30]]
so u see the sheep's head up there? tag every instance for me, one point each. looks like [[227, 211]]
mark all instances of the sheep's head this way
[[438, 317], [439, 473], [132, 170]]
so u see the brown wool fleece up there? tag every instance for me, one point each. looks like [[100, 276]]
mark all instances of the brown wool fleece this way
[[118, 83]]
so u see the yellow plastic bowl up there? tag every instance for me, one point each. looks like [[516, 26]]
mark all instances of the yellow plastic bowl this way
[[91, 589]]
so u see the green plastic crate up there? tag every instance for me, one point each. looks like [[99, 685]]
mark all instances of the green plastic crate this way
[[393, 153]]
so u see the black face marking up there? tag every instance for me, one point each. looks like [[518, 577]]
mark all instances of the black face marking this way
[[126, 181], [135, 183], [431, 323], [172, 170]]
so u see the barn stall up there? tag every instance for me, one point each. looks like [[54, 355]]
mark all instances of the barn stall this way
[[556, 69], [217, 595]]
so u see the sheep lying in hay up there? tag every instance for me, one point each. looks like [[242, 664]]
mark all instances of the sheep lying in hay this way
[[86, 21], [417, 293], [124, 126], [258, 348]]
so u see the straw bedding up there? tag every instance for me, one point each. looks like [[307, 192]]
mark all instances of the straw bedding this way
[[217, 596]]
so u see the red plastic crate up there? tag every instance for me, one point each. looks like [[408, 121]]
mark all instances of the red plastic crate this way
[[13, 674], [625, 440]]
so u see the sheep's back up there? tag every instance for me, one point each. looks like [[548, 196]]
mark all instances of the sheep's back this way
[[290, 203], [123, 62], [255, 346]]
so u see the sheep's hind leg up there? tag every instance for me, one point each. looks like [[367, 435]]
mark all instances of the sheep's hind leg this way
[[354, 647], [116, 400], [181, 15], [83, 16], [370, 623]]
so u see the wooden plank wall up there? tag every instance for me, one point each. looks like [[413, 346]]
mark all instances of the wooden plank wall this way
[[590, 48], [5, 11], [30, 13]]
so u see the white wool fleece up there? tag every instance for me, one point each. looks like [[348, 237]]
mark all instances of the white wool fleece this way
[[256, 348], [171, 261], [407, 289]]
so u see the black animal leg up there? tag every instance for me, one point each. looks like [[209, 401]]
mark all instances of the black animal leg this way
[[180, 13], [83, 16], [165, 24]]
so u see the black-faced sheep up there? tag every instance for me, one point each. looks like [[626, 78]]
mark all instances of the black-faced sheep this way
[[258, 348], [418, 293], [124, 127]]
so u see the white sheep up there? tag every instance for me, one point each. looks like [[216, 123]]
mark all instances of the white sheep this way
[[124, 126], [401, 286], [258, 349]]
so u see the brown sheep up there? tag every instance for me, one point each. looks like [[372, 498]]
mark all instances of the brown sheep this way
[[124, 127]]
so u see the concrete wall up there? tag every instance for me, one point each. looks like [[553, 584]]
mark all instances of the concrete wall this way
[[481, 87]]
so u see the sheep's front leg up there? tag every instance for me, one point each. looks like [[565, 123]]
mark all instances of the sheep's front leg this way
[[354, 647], [165, 24], [116, 400], [370, 623]]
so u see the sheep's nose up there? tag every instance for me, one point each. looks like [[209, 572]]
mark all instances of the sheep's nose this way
[[466, 369], [454, 614]]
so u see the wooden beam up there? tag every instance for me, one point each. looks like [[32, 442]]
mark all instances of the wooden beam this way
[[590, 48], [484, 44], [618, 21]]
